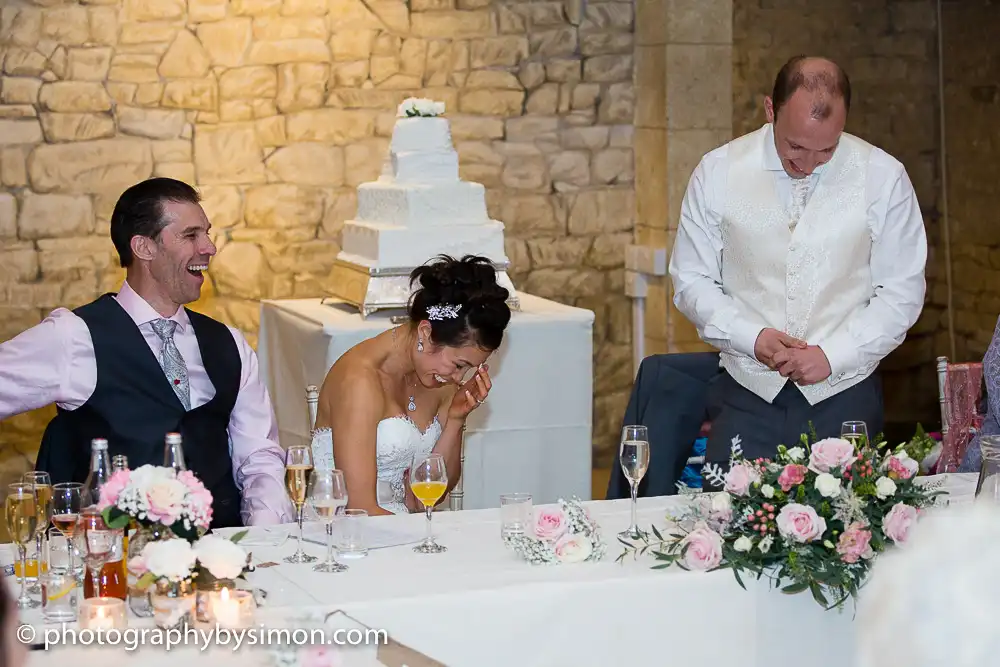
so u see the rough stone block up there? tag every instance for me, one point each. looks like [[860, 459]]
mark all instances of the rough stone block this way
[[228, 154], [77, 126], [8, 216], [602, 211], [226, 41], [91, 64], [246, 83], [55, 216], [307, 164]]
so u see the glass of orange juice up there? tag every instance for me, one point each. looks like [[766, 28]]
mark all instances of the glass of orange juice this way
[[428, 483]]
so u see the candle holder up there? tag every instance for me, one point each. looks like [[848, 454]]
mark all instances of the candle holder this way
[[231, 608], [173, 604], [102, 614]]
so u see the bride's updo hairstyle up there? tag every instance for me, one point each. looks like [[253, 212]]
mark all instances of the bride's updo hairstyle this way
[[462, 301]]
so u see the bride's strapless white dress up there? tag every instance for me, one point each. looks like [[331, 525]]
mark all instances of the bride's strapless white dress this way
[[397, 440]]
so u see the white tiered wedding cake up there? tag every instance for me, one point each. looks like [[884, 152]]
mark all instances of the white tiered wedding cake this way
[[417, 209]]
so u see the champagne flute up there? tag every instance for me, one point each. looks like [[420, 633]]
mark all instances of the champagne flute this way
[[634, 456], [855, 432], [22, 522], [67, 501], [428, 482], [101, 542], [327, 497], [42, 483], [298, 465]]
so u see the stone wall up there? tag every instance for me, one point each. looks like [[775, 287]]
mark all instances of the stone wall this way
[[972, 120], [889, 50], [277, 109]]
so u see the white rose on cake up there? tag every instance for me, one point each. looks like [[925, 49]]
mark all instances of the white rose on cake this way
[[420, 106]]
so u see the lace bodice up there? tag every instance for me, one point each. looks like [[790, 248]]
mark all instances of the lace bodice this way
[[397, 439]]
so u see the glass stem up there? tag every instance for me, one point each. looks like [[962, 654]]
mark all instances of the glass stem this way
[[430, 535], [95, 578], [300, 508], [329, 542], [635, 490], [23, 552], [70, 556]]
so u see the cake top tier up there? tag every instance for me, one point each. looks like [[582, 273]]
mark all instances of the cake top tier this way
[[420, 128]]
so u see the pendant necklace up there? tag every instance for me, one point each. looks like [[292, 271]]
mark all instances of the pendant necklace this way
[[411, 406]]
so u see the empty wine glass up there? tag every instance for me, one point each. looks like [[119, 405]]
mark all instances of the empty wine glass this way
[[855, 432], [634, 456], [42, 484], [101, 544], [327, 496], [67, 500], [428, 482], [22, 519], [298, 465]]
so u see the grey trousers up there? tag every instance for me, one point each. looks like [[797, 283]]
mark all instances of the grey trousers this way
[[762, 426]]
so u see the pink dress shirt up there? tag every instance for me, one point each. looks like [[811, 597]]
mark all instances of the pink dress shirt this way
[[54, 362]]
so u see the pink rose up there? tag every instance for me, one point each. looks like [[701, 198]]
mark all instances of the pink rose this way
[[704, 548], [740, 477], [112, 489], [323, 656], [800, 523], [901, 466], [793, 475], [165, 498], [573, 548], [550, 524], [831, 453], [199, 498], [854, 543], [898, 521]]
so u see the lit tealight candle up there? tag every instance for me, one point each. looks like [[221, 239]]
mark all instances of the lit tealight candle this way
[[102, 614], [232, 608]]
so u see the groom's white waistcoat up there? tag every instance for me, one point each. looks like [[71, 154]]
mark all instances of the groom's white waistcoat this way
[[808, 281]]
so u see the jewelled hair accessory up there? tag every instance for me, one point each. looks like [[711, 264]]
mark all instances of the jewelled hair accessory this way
[[444, 311]]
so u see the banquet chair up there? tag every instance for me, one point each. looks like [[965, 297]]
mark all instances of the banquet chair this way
[[454, 501], [960, 388]]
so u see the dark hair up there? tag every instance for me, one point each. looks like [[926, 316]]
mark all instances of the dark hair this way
[[139, 212], [791, 77], [470, 287]]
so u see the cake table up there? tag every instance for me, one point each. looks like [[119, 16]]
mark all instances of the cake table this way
[[534, 432]]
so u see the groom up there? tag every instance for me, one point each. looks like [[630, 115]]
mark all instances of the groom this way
[[800, 255], [133, 366]]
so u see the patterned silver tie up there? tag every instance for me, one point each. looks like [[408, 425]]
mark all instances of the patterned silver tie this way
[[172, 362], [800, 191]]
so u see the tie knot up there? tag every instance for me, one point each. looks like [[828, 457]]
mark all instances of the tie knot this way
[[164, 329]]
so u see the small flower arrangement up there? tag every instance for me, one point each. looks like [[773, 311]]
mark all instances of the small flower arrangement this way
[[414, 107], [155, 495], [564, 535], [812, 519], [176, 560]]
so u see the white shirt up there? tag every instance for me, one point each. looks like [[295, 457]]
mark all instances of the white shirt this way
[[897, 261]]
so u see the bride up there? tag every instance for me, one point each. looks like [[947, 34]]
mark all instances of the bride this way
[[410, 389]]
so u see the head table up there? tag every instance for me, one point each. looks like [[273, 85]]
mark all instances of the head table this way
[[478, 605]]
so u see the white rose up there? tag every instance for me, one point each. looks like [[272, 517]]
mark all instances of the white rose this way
[[743, 544], [767, 490], [765, 544], [796, 454], [828, 485], [884, 487], [172, 559], [573, 548], [223, 558], [721, 503]]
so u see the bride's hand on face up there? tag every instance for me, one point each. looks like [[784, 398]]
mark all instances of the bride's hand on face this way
[[471, 394]]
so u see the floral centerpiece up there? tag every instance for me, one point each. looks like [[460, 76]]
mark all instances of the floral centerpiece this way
[[413, 107], [812, 519], [156, 496], [172, 566], [564, 535]]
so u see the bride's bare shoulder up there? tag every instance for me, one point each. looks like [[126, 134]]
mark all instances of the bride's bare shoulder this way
[[353, 381]]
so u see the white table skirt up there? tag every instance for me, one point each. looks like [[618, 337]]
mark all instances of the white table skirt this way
[[477, 605], [534, 432]]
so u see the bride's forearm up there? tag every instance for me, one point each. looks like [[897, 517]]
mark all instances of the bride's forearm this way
[[449, 445]]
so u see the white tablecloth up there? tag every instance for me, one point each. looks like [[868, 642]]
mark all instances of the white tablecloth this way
[[477, 605], [534, 432]]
